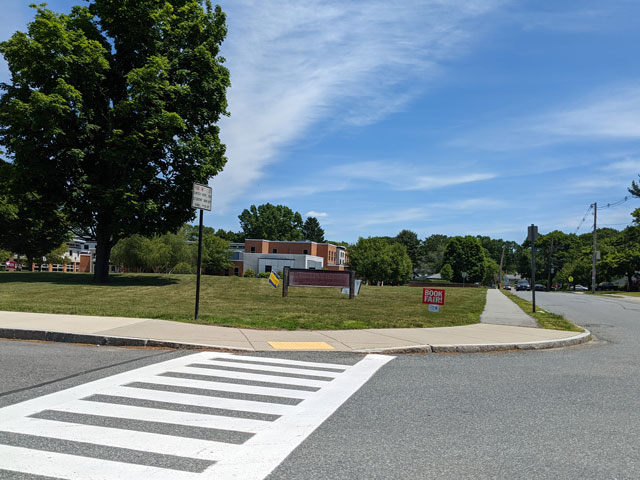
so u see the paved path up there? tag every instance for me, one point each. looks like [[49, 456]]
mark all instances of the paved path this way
[[501, 329], [502, 311]]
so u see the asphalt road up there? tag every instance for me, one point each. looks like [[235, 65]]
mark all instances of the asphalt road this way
[[567, 413]]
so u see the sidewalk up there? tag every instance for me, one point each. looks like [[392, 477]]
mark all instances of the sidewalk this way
[[501, 328]]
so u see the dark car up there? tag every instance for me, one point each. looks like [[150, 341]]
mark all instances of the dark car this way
[[523, 285], [607, 286], [540, 288]]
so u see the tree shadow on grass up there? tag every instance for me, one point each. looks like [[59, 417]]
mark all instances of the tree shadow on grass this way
[[115, 280]]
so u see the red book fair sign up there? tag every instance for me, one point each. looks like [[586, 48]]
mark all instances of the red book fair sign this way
[[433, 296]]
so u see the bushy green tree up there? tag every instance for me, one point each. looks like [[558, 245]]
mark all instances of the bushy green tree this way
[[271, 222], [111, 113], [411, 242], [215, 254], [465, 254], [446, 273], [379, 260], [432, 254]]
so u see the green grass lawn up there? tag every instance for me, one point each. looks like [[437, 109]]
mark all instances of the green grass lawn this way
[[545, 318], [234, 301]]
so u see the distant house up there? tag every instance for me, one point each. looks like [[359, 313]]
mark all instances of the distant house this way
[[268, 255]]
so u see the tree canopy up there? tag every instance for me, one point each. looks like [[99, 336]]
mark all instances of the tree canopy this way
[[111, 113], [465, 254], [271, 222], [380, 260], [311, 230]]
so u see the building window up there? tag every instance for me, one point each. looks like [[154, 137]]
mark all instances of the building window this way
[[86, 247], [71, 253], [253, 249], [275, 250], [267, 268], [305, 251]]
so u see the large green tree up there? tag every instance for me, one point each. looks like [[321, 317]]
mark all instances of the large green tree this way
[[411, 242], [31, 225], [311, 230], [465, 254], [112, 112], [432, 253], [271, 222], [380, 260]]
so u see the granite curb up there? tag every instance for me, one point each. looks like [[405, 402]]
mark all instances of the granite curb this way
[[114, 341], [485, 347]]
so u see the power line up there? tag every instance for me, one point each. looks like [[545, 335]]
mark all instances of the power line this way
[[615, 204], [584, 217]]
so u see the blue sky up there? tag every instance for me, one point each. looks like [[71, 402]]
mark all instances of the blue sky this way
[[440, 116]]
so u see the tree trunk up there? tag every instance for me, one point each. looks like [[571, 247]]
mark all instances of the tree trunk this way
[[103, 252]]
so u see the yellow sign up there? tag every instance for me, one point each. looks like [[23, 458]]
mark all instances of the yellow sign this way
[[570, 279], [274, 279]]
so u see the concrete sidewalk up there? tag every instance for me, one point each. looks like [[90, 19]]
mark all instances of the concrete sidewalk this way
[[500, 329]]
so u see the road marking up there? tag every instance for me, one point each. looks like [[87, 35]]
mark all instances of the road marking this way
[[201, 416], [301, 346]]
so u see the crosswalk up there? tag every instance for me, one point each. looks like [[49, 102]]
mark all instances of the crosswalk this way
[[200, 416]]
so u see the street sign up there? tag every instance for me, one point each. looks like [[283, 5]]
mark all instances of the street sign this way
[[201, 197], [433, 296], [434, 308], [570, 279]]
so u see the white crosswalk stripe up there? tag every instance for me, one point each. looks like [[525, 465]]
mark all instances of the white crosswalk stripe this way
[[200, 416]]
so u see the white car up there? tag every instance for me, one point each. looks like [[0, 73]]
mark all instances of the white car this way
[[580, 288]]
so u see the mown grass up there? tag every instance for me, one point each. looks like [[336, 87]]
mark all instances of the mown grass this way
[[544, 318], [234, 301]]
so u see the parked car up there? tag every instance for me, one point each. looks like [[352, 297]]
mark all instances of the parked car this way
[[607, 286], [12, 265], [523, 285], [540, 288], [580, 288], [507, 287], [555, 287]]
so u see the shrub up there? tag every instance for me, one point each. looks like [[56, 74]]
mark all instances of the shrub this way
[[184, 268], [249, 274], [264, 275]]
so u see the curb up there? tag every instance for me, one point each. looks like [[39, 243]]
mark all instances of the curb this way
[[486, 347], [47, 336]]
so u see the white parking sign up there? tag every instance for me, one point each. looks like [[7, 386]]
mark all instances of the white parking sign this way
[[201, 197]]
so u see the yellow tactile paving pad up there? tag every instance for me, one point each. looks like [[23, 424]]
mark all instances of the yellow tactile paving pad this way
[[301, 346]]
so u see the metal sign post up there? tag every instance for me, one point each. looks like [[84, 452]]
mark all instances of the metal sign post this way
[[533, 236], [201, 198]]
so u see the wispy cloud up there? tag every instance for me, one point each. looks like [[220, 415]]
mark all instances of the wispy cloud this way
[[401, 176], [301, 62], [611, 113]]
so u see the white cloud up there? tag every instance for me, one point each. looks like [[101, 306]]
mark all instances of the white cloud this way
[[295, 63], [611, 113], [313, 213], [405, 177]]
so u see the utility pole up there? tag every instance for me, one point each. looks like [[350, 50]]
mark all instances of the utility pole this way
[[550, 266], [593, 267], [533, 236], [500, 274]]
